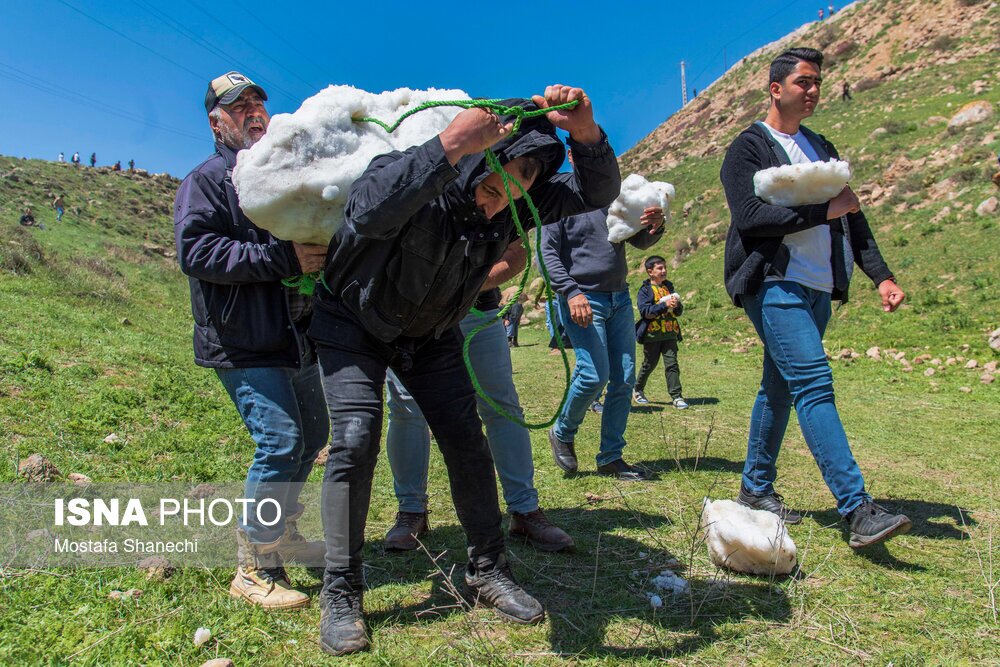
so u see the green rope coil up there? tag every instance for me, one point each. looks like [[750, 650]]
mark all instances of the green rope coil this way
[[493, 162]]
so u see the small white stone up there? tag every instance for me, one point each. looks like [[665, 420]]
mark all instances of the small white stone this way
[[201, 636]]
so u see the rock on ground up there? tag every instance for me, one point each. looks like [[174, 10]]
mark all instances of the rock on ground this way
[[970, 114], [988, 207], [37, 468]]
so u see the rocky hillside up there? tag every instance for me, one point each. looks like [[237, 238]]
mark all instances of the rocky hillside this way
[[921, 135]]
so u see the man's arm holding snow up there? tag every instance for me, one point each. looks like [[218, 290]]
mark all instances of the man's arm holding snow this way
[[204, 251], [751, 214], [652, 231], [594, 183]]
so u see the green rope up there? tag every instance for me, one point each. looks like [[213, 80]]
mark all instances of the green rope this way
[[493, 162], [306, 283]]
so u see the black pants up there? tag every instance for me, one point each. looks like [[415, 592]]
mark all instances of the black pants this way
[[651, 353], [354, 363]]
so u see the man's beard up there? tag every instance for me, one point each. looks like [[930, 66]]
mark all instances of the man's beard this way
[[239, 139]]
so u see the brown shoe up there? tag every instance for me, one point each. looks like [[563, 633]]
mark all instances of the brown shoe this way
[[537, 530], [261, 578], [404, 533]]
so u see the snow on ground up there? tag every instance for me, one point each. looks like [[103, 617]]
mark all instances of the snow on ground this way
[[294, 181], [747, 540]]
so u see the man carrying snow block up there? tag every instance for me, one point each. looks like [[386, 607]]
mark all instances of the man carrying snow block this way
[[796, 231], [424, 228], [588, 271], [251, 330]]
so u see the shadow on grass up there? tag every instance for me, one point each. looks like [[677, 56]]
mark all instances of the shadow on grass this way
[[592, 593], [696, 463], [937, 521]]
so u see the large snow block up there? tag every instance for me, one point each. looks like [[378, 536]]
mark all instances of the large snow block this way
[[294, 181]]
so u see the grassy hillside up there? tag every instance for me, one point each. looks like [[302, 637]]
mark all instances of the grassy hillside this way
[[96, 339]]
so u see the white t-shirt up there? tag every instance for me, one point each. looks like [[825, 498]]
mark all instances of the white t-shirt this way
[[810, 262]]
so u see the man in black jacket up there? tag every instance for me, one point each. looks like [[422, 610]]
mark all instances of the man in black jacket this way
[[783, 265], [251, 330], [424, 229]]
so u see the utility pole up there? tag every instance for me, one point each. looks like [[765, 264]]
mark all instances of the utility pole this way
[[684, 87]]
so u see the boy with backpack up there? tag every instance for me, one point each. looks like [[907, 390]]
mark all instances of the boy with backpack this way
[[658, 331]]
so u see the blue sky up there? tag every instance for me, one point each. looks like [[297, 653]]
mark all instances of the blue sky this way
[[128, 80]]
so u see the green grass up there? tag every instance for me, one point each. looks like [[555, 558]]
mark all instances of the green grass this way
[[74, 372], [96, 338]]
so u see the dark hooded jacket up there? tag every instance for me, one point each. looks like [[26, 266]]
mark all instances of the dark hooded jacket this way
[[415, 249], [243, 315], [755, 246]]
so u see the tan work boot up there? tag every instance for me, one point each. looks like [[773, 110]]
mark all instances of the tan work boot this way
[[261, 578], [294, 548]]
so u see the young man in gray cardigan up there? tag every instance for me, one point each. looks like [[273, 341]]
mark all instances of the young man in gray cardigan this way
[[783, 266]]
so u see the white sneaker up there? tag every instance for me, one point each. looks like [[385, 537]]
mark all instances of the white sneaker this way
[[680, 404]]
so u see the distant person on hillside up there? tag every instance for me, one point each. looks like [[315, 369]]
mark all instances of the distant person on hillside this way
[[783, 265], [250, 329], [820, 13], [27, 219], [118, 166], [694, 92], [588, 272], [658, 331], [93, 160], [131, 166], [62, 157], [60, 206], [75, 159], [845, 92], [830, 10]]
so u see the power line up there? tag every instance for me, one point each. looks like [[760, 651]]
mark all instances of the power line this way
[[180, 29], [58, 90], [264, 24], [247, 42], [200, 77], [746, 32]]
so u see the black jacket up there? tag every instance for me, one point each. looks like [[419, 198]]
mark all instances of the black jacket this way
[[415, 249], [754, 243], [241, 310], [648, 306]]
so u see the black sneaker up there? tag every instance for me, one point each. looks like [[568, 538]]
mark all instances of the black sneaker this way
[[871, 523], [597, 407], [341, 622], [623, 471], [562, 452], [490, 581], [639, 397], [772, 503]]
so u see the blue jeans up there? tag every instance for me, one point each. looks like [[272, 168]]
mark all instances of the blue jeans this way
[[408, 442], [790, 320], [605, 355], [285, 413]]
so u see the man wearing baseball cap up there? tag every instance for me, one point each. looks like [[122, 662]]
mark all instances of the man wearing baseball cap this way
[[250, 329]]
